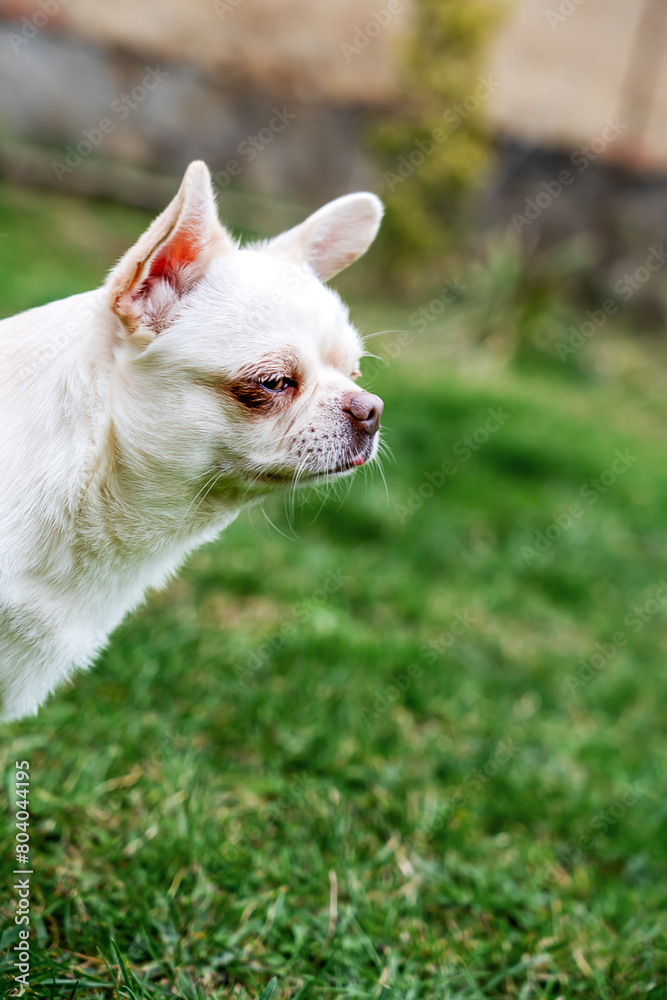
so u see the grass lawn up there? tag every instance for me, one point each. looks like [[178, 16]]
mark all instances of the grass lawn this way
[[407, 743]]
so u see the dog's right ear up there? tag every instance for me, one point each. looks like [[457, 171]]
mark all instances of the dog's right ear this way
[[171, 256], [333, 237]]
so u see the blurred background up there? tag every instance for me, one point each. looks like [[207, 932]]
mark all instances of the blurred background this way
[[116, 102], [409, 740]]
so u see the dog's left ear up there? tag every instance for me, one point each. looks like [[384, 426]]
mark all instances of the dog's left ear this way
[[333, 237], [171, 256]]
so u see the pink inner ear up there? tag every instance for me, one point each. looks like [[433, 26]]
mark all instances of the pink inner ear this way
[[168, 263]]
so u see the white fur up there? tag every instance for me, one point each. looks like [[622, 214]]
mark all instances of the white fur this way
[[122, 445]]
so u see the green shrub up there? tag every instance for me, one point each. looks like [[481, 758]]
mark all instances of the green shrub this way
[[445, 88]]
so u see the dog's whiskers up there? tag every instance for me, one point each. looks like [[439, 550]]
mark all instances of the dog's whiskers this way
[[208, 486], [379, 333], [275, 526]]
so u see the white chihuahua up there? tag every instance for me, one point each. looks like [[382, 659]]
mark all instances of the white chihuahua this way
[[138, 419]]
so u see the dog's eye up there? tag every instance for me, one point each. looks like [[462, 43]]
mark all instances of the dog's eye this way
[[277, 384]]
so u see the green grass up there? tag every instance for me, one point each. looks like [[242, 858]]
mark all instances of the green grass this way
[[264, 779]]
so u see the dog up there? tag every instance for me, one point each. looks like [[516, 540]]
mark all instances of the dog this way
[[137, 420]]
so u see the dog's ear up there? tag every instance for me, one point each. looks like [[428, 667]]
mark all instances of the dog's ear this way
[[171, 256], [333, 237]]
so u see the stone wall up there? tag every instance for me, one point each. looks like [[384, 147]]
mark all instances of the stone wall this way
[[272, 95], [580, 111]]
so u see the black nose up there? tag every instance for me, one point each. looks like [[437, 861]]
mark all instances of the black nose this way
[[364, 410]]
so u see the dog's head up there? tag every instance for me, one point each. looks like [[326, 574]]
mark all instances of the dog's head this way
[[240, 361]]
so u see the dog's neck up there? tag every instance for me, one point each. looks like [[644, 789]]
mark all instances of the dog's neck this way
[[145, 508]]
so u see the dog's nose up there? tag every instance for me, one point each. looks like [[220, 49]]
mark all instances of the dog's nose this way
[[365, 410]]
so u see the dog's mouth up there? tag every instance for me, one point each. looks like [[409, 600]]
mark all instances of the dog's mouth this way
[[305, 476], [348, 465]]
